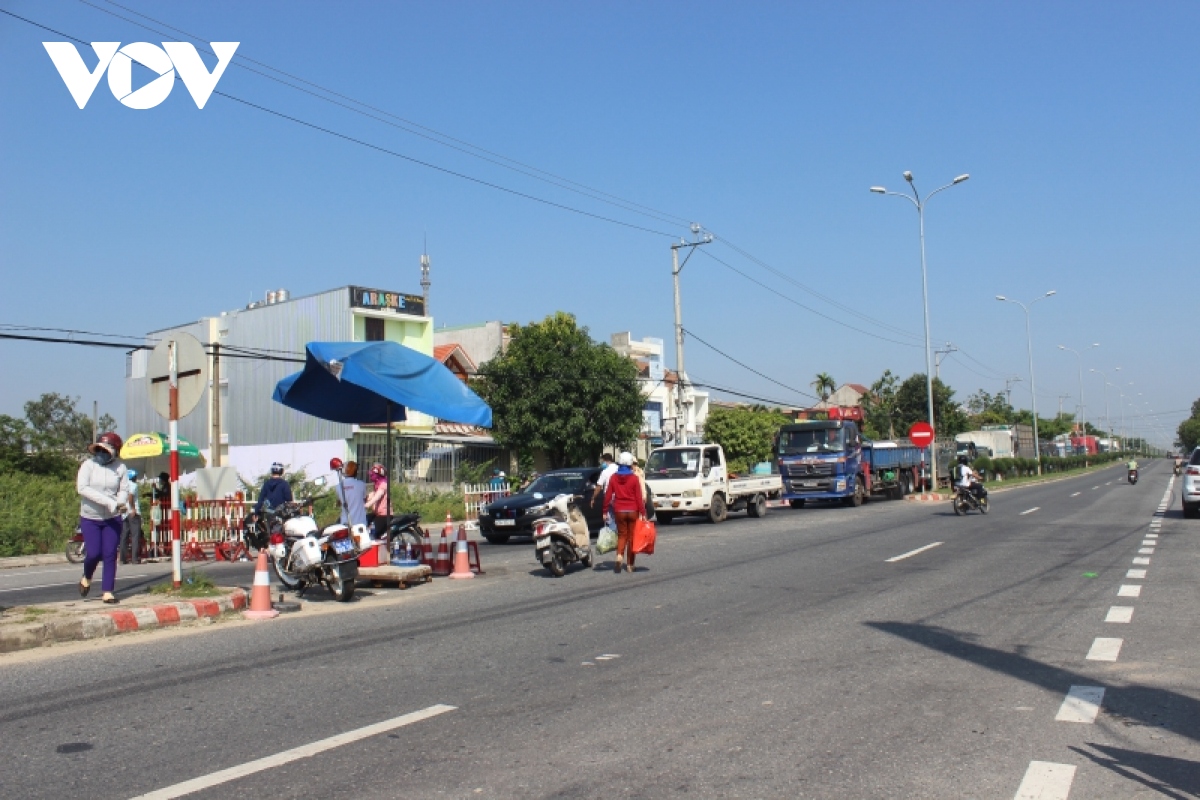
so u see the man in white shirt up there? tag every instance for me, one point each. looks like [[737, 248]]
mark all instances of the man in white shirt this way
[[610, 469]]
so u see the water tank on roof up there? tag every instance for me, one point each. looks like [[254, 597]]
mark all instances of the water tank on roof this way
[[282, 296], [270, 298]]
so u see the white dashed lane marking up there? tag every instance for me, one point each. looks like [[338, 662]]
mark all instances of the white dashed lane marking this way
[[1030, 510], [1045, 780], [1104, 649], [1147, 551], [1081, 705], [1120, 614], [1142, 560], [1076, 494], [1129, 590], [911, 553], [1135, 574]]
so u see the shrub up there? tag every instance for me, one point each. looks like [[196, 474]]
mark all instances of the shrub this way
[[38, 513], [983, 465]]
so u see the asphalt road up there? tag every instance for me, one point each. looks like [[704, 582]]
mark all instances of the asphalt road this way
[[802, 655]]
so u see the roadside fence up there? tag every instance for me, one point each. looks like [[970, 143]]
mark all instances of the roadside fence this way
[[478, 495]]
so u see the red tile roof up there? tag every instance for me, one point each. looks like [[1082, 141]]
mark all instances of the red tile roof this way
[[444, 352]]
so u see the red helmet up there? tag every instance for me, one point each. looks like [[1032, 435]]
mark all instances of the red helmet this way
[[335, 464], [110, 441]]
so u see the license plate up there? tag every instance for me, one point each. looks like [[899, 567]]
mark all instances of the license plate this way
[[505, 523], [808, 484], [341, 546], [542, 544]]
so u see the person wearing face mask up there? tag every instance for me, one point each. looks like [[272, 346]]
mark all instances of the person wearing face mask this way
[[104, 492]]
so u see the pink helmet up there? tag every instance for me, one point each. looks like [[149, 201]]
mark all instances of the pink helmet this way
[[377, 471]]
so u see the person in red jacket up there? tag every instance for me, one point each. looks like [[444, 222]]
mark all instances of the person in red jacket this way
[[625, 498]]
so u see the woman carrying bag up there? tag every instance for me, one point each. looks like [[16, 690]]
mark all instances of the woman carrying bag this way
[[625, 497], [104, 494]]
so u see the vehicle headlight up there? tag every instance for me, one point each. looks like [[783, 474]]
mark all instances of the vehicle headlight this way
[[693, 493], [534, 511]]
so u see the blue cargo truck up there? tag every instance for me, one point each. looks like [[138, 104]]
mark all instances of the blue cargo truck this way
[[831, 460]]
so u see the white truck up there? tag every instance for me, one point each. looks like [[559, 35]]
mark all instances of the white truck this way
[[694, 480]]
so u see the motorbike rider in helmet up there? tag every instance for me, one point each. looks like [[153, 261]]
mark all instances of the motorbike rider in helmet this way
[[968, 478], [276, 491]]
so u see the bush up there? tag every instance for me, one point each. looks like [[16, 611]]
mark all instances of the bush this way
[[38, 513], [983, 465], [1003, 467]]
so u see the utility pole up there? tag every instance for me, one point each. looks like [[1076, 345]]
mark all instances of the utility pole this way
[[938, 356], [1061, 397], [1008, 382], [683, 424], [95, 420], [215, 450]]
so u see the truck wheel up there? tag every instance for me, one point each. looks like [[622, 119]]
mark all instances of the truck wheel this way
[[717, 510], [757, 506], [856, 499], [665, 517]]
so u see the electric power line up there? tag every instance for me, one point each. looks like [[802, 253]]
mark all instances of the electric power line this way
[[748, 367]]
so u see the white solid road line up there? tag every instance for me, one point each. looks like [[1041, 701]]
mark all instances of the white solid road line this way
[[1045, 780], [42, 586], [1082, 705], [295, 754], [1136, 574], [1120, 614], [1129, 590], [903, 556], [1105, 649], [1077, 494], [1030, 511]]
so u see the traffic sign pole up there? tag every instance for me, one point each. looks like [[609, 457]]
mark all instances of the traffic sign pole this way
[[173, 421]]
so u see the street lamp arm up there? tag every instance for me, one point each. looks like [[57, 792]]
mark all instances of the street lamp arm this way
[[907, 197], [929, 196]]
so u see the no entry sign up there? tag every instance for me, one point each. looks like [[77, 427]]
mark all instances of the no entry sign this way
[[921, 434]]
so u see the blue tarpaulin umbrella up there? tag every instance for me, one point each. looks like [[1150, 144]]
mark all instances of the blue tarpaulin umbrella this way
[[375, 382]]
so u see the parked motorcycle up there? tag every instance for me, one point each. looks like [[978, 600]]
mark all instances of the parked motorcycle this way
[[303, 555], [1132, 476], [562, 537], [965, 500], [75, 550], [405, 539]]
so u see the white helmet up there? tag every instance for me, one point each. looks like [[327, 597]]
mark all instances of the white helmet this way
[[625, 459]]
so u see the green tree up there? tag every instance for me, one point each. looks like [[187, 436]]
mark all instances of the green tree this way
[[746, 434], [879, 407], [556, 390], [824, 385], [56, 424], [1188, 434], [990, 409], [911, 406]]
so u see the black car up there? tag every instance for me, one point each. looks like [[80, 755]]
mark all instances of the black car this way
[[514, 515]]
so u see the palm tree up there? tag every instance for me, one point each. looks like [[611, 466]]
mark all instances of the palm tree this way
[[824, 384]]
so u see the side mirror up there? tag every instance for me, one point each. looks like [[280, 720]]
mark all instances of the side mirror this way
[[319, 481]]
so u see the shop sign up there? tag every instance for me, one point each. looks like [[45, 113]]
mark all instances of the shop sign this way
[[379, 300]]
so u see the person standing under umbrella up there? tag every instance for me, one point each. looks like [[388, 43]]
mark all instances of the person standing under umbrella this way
[[104, 491], [352, 494]]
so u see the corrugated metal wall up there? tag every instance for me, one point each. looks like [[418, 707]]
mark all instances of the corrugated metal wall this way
[[286, 327]]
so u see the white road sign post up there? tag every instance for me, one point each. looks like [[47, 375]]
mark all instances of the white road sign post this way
[[178, 372]]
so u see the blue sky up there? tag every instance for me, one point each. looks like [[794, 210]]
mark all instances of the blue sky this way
[[766, 122]]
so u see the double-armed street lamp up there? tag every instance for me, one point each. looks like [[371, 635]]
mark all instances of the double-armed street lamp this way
[[1037, 446], [919, 203]]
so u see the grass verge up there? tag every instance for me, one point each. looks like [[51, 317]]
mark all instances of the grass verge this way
[[195, 584]]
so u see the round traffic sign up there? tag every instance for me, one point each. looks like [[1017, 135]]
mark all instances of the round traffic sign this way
[[191, 367], [921, 434]]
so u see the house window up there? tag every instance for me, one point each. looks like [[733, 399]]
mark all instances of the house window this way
[[374, 326]]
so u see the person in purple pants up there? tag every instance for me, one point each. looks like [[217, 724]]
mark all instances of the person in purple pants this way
[[104, 493]]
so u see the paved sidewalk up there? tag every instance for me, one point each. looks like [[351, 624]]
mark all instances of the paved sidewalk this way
[[24, 627], [32, 561]]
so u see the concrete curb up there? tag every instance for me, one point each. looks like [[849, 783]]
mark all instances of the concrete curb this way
[[102, 624], [926, 497], [11, 562]]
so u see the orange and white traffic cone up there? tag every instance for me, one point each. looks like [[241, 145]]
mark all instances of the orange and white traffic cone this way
[[448, 528], [462, 564], [441, 563], [260, 594]]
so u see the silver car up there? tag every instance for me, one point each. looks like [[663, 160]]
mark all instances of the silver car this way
[[1190, 492]]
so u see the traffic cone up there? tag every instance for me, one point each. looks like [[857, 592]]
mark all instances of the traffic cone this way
[[260, 594], [441, 564], [448, 528], [462, 564]]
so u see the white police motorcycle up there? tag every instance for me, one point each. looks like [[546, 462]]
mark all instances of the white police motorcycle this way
[[562, 538]]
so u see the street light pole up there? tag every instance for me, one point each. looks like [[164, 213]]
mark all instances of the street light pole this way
[[1037, 444], [1107, 420], [1082, 407], [919, 204]]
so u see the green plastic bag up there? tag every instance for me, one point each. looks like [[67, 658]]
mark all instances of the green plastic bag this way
[[607, 541]]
